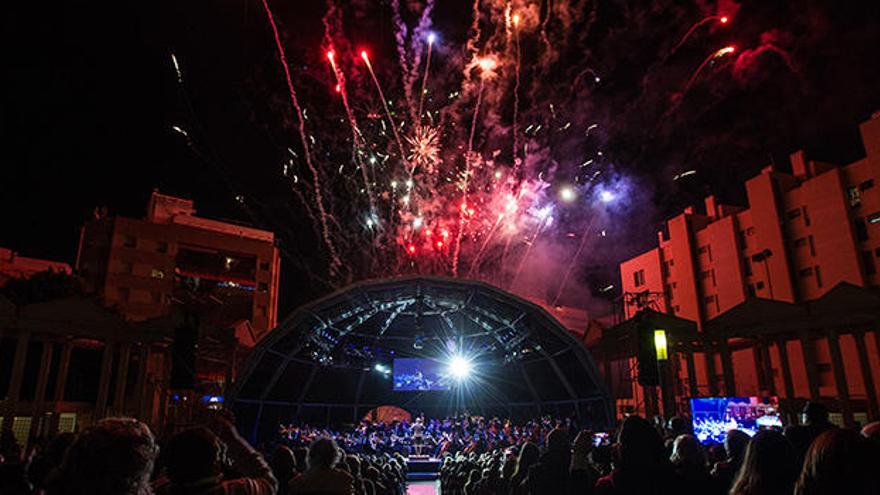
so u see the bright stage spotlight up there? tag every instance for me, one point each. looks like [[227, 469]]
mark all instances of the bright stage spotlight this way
[[459, 368]]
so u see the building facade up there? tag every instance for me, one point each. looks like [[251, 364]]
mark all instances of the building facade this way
[[802, 234], [13, 266], [137, 265]]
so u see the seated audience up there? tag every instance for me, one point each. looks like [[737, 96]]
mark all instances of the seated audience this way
[[840, 462], [640, 464], [735, 444], [690, 465], [283, 464], [115, 456], [769, 467], [321, 476], [814, 419], [194, 464], [550, 473]]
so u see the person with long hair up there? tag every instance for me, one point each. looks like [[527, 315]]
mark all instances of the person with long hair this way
[[769, 467], [641, 466], [839, 461], [528, 456]]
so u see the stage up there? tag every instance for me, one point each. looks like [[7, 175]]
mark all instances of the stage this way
[[422, 468]]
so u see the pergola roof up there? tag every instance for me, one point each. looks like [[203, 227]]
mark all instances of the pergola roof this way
[[320, 357], [844, 306]]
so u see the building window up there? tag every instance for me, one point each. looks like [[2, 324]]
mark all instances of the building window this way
[[854, 196], [800, 242], [792, 214], [162, 247], [157, 273], [702, 249], [709, 299], [263, 287], [873, 217], [759, 285], [157, 297], [127, 267], [818, 277], [124, 293], [868, 261], [806, 272], [264, 265], [751, 290], [861, 229], [639, 278], [747, 266], [812, 246], [868, 184], [708, 274], [129, 241], [806, 217], [676, 309]]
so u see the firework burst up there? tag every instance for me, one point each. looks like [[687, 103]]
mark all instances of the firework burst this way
[[424, 147]]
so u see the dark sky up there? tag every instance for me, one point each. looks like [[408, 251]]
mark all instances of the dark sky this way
[[90, 97]]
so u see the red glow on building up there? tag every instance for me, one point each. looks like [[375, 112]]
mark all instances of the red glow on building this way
[[803, 234]]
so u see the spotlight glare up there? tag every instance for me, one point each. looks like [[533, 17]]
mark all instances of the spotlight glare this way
[[606, 196], [459, 367]]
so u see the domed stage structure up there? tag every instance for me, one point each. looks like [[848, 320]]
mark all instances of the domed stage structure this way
[[487, 351]]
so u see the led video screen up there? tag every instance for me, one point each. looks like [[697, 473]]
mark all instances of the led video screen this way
[[713, 417], [418, 374]]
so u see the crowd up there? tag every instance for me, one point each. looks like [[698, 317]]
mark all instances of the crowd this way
[[654, 458], [120, 456]]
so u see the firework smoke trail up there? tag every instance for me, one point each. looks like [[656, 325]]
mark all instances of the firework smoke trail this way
[[577, 255], [723, 19], [355, 132], [421, 31], [476, 262], [486, 65], [712, 57], [387, 110], [514, 130], [525, 256], [335, 262], [425, 79], [400, 33], [475, 30]]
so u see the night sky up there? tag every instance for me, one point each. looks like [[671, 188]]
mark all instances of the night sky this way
[[91, 95]]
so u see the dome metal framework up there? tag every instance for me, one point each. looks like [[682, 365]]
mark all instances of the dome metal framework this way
[[319, 364]]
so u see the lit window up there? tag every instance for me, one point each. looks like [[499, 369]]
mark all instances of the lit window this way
[[157, 273], [855, 196]]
